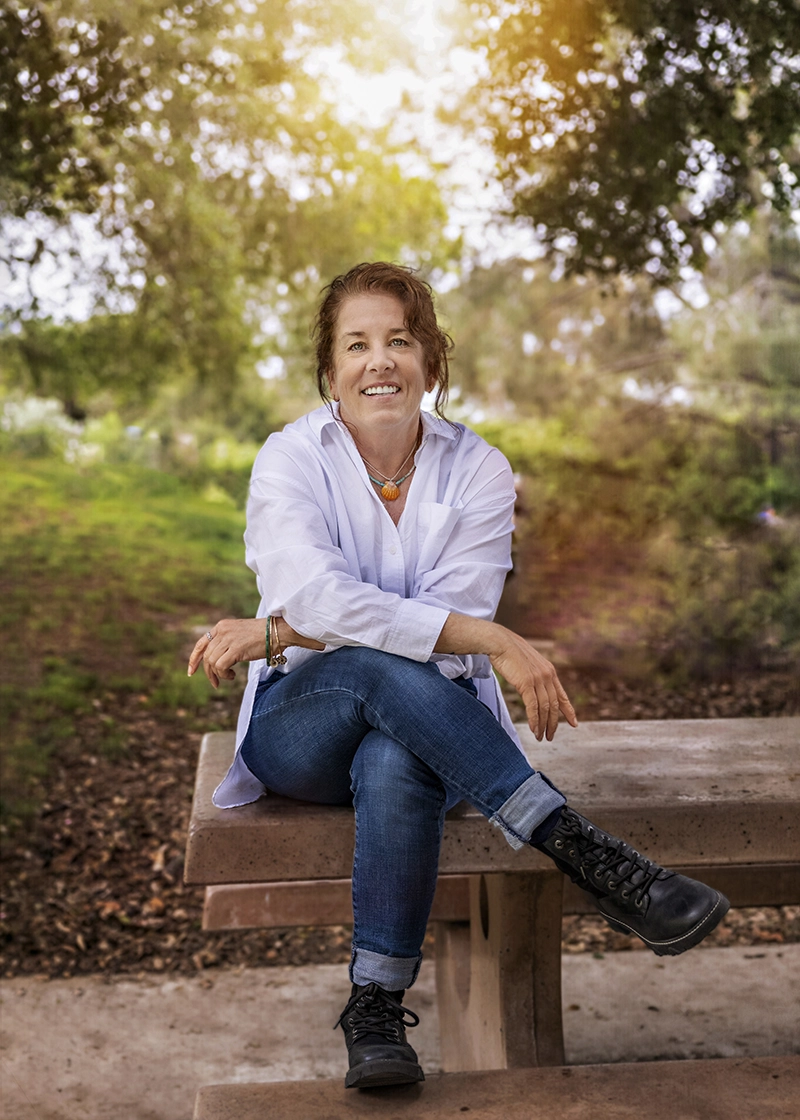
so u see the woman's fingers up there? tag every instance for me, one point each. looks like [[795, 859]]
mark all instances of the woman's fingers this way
[[542, 708], [565, 705], [200, 655], [205, 653], [552, 715], [209, 658], [532, 710], [538, 706], [541, 690], [216, 662], [196, 656], [232, 640]]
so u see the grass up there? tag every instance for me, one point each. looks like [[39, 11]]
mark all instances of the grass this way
[[106, 570]]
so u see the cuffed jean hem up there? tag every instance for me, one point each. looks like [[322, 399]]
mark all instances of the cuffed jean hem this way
[[390, 973], [529, 805]]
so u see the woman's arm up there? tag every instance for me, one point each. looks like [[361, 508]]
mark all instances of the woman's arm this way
[[240, 639], [515, 659], [311, 584], [533, 676]]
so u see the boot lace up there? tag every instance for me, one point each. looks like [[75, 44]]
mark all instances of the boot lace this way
[[607, 861], [373, 1011]]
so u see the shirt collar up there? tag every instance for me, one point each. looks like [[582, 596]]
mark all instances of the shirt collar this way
[[328, 414]]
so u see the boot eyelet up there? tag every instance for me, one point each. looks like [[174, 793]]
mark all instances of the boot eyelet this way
[[572, 853], [598, 874], [640, 902], [558, 844], [625, 894], [611, 886]]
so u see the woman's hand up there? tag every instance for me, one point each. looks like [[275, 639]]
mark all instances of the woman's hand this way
[[536, 680], [239, 639], [515, 659]]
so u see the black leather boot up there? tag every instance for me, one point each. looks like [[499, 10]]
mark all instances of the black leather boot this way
[[669, 912], [374, 1023]]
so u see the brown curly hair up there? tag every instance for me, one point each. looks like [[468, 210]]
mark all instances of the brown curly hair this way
[[420, 319]]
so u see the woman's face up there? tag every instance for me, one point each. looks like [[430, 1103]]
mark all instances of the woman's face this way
[[379, 373]]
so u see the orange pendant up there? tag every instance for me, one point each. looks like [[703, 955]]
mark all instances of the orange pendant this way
[[390, 492]]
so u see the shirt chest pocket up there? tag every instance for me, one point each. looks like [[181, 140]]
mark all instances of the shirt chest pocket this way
[[434, 527]]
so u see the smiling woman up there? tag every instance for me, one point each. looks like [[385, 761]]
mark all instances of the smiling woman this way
[[380, 538]]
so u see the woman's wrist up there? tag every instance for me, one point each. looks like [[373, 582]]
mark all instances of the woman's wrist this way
[[499, 639], [463, 635], [284, 631], [287, 636]]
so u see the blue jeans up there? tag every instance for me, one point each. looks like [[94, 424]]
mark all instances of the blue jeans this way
[[402, 744]]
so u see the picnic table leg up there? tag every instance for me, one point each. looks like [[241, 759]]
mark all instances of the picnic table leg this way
[[498, 977]]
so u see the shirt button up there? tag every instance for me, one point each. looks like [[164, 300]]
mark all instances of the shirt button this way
[[393, 550]]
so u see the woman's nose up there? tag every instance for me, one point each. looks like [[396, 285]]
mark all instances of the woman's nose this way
[[381, 358]]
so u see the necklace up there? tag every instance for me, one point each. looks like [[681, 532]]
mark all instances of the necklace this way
[[390, 487]]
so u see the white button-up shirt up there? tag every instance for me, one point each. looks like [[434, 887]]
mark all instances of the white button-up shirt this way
[[331, 561]]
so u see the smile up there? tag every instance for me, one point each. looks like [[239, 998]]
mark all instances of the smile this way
[[381, 390]]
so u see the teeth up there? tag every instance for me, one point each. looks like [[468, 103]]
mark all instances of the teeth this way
[[381, 390]]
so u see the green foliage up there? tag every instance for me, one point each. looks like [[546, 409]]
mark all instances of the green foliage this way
[[55, 117], [87, 83], [552, 346], [200, 140], [649, 447], [214, 457], [76, 361], [742, 357], [639, 545], [623, 130], [636, 469], [727, 606], [105, 571]]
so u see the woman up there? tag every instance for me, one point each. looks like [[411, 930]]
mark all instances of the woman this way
[[380, 538]]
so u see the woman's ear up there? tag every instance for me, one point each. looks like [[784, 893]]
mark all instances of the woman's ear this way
[[332, 385]]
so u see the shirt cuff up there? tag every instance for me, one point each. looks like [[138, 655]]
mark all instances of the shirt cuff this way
[[415, 630]]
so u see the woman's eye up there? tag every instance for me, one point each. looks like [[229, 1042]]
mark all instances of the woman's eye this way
[[357, 346], [399, 342]]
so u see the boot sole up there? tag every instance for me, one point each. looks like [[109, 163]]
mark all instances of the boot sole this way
[[688, 940], [383, 1072]]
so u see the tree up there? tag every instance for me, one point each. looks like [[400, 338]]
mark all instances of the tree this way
[[741, 359], [63, 91], [199, 139], [549, 347], [625, 129]]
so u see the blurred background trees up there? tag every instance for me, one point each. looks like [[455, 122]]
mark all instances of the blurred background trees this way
[[605, 196], [625, 129], [227, 187]]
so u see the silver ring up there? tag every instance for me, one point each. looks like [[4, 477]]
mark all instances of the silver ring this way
[[208, 634]]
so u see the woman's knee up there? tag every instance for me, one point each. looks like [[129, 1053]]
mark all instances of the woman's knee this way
[[372, 670], [377, 660], [384, 771]]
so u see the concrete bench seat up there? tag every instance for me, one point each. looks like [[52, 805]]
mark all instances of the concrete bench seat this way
[[719, 799], [726, 1089]]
